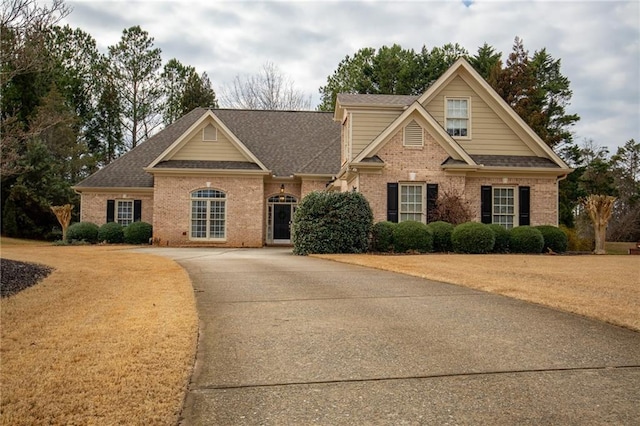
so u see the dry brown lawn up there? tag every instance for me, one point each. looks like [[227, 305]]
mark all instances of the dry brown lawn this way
[[606, 288], [108, 338]]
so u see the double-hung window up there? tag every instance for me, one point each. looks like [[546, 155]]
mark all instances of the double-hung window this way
[[457, 117], [411, 202], [124, 212], [208, 214], [504, 206]]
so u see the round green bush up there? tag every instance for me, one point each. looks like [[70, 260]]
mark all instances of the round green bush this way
[[525, 239], [382, 237], [412, 235], [502, 238], [472, 237], [554, 238], [138, 233], [83, 231], [111, 232], [332, 222], [441, 236]]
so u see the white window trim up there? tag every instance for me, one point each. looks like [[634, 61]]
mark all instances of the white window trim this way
[[423, 212], [208, 218], [516, 204], [117, 217], [469, 122], [204, 137], [404, 135]]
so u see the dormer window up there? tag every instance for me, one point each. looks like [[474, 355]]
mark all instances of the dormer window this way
[[457, 117], [209, 133]]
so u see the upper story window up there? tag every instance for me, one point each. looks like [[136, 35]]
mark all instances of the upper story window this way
[[457, 118], [209, 133]]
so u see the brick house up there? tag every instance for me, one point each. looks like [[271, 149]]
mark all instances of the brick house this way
[[234, 177]]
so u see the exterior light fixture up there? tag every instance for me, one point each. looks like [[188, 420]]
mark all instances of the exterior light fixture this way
[[282, 193]]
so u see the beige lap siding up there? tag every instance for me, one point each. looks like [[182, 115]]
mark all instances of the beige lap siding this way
[[244, 207], [94, 205]]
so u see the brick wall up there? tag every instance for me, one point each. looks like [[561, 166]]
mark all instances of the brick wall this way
[[93, 205], [244, 210], [426, 163]]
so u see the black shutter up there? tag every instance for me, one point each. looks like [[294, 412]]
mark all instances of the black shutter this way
[[111, 210], [486, 198], [137, 210], [432, 200], [392, 202], [524, 201]]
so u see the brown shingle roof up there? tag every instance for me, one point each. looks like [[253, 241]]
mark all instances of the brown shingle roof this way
[[286, 142], [507, 161], [364, 99], [127, 171]]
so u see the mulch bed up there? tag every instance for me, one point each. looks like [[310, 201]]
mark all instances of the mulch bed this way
[[15, 276]]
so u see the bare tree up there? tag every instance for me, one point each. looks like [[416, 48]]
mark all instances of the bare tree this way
[[270, 89], [23, 27]]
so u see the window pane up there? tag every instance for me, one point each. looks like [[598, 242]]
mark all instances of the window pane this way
[[504, 207], [125, 212], [411, 202], [208, 214]]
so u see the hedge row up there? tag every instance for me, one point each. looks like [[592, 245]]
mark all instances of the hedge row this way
[[470, 237], [112, 233]]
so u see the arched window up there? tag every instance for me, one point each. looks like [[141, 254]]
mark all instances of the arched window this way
[[208, 214]]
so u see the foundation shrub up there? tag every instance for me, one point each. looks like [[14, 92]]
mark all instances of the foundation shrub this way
[[412, 236], [502, 238], [382, 237], [332, 222], [525, 239], [138, 233], [441, 236], [82, 232], [554, 239], [473, 238], [111, 232]]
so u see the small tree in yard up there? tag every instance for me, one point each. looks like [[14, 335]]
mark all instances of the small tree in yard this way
[[451, 208], [332, 222], [63, 214], [599, 208]]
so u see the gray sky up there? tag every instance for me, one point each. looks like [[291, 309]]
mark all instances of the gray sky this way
[[597, 41]]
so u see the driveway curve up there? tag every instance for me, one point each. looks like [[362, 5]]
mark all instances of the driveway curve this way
[[286, 339]]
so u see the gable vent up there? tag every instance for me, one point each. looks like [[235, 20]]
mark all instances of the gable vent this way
[[413, 134], [209, 133]]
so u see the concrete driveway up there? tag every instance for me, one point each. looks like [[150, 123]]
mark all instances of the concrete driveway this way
[[296, 340]]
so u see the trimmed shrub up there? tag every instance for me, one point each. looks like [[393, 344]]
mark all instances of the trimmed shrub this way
[[382, 237], [554, 238], [412, 235], [138, 233], [502, 238], [332, 222], [83, 231], [111, 232], [441, 236], [525, 239], [472, 237]]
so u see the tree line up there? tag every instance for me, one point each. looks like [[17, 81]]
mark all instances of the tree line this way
[[68, 109]]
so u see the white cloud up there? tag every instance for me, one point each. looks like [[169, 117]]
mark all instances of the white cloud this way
[[597, 41]]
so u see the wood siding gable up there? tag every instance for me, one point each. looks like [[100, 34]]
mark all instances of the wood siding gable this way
[[191, 146]]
